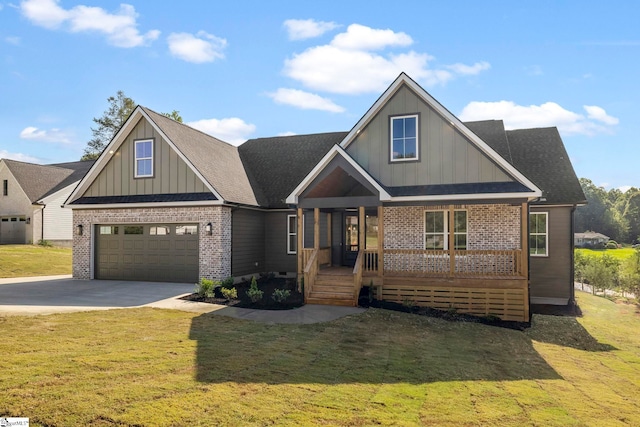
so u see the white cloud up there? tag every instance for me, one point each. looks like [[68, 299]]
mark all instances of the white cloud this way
[[469, 70], [120, 27], [14, 40], [359, 37], [287, 133], [53, 135], [347, 64], [4, 154], [199, 48], [232, 130], [304, 100], [597, 113], [534, 116], [625, 188], [300, 29]]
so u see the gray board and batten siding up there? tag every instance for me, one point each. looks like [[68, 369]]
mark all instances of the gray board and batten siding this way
[[247, 242], [171, 173], [446, 156], [551, 279]]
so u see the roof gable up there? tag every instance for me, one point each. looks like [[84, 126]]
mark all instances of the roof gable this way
[[214, 162], [505, 171], [36, 180]]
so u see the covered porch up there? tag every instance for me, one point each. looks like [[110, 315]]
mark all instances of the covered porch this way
[[344, 249]]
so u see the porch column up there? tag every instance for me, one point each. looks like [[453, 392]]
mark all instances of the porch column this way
[[380, 241], [316, 228], [525, 239], [451, 237], [329, 214], [299, 246], [362, 229]]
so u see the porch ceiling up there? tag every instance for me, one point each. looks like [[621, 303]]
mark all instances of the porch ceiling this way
[[338, 183]]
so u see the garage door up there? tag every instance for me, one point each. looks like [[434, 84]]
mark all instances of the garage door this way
[[12, 230], [149, 252]]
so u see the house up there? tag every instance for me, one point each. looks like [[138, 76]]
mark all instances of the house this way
[[31, 201], [413, 202], [590, 239]]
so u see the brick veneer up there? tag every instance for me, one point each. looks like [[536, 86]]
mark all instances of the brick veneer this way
[[214, 250], [489, 226]]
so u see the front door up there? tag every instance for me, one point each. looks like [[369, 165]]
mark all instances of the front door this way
[[350, 236]]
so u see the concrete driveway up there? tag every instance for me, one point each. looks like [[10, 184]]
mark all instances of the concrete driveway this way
[[63, 295]]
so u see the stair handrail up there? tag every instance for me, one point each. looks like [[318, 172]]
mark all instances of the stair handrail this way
[[310, 273], [357, 276]]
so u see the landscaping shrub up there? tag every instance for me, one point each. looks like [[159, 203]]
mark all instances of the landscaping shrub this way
[[227, 283], [229, 293], [45, 243], [206, 288], [280, 295], [611, 244], [254, 293]]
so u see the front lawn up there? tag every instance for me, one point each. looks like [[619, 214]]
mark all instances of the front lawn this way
[[32, 260], [164, 367], [621, 254]]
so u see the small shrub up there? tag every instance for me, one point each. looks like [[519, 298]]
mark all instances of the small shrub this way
[[611, 244], [231, 293], [254, 293], [227, 283], [267, 275], [206, 288], [45, 243], [280, 295]]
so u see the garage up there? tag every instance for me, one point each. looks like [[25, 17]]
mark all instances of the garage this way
[[12, 230], [147, 252]]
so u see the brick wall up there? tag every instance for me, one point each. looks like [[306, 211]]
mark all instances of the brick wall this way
[[214, 250]]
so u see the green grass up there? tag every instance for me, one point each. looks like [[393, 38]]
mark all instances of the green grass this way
[[152, 367], [620, 254], [33, 260]]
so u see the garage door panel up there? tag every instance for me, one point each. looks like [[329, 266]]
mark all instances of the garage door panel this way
[[150, 256]]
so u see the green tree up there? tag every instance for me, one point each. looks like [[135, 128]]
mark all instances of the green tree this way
[[175, 115], [120, 107], [630, 275]]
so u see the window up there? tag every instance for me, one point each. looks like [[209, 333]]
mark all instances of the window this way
[[133, 229], [436, 230], [5, 187], [159, 231], [292, 234], [108, 229], [144, 158], [182, 230], [538, 226], [404, 138]]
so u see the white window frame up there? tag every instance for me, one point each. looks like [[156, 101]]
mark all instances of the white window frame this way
[[136, 158], [291, 233], [545, 234], [445, 219], [411, 159]]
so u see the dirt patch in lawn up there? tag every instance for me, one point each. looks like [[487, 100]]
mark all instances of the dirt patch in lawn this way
[[267, 285]]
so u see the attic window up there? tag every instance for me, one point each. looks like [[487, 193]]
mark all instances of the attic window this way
[[404, 138], [144, 158], [5, 187]]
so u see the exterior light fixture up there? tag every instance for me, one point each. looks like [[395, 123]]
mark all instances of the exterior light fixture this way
[[208, 229], [79, 228]]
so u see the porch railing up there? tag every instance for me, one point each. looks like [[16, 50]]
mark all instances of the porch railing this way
[[370, 261], [324, 255], [465, 263], [357, 274], [310, 272]]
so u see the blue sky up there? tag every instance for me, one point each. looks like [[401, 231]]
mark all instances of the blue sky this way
[[241, 70]]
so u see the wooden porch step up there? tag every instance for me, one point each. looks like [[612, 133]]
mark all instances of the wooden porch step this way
[[334, 281], [331, 301], [333, 287]]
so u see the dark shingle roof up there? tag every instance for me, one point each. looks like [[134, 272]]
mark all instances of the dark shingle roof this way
[[217, 161], [36, 180], [446, 189], [277, 165], [79, 170], [540, 155], [145, 198]]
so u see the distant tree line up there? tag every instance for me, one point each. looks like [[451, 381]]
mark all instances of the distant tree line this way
[[612, 213]]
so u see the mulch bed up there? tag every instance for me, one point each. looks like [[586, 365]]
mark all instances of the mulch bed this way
[[267, 285]]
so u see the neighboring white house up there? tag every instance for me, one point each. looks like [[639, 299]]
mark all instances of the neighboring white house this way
[[589, 238], [31, 199]]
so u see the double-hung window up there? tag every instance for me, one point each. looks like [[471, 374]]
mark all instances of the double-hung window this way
[[144, 158], [292, 234], [5, 187], [404, 138], [538, 233], [436, 230]]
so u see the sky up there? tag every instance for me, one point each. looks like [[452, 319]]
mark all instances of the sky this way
[[247, 69]]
